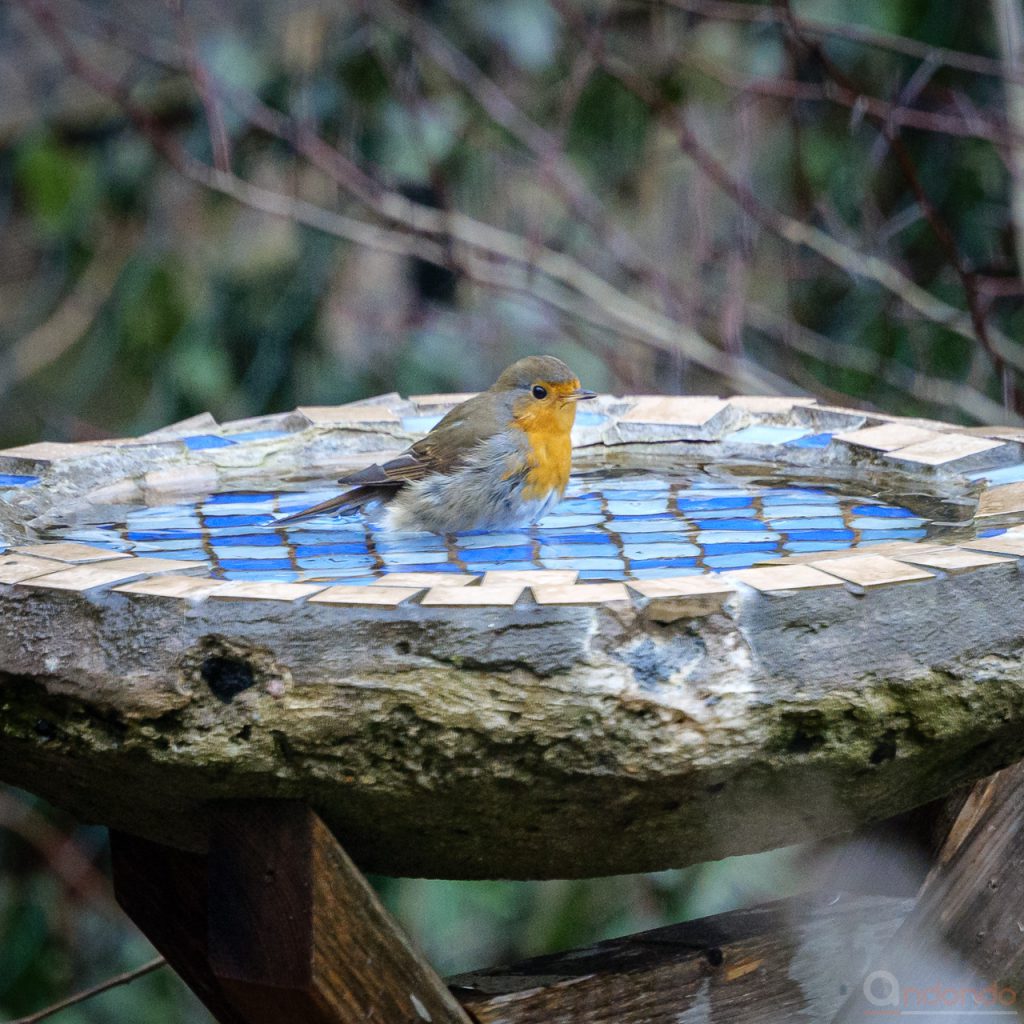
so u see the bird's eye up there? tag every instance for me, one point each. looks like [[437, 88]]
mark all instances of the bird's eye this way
[[539, 392]]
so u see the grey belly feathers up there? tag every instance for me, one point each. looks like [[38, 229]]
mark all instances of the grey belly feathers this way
[[472, 497]]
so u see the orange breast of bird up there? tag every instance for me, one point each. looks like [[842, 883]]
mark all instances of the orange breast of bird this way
[[549, 448]]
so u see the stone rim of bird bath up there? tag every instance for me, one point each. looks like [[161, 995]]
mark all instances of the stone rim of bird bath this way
[[512, 727]]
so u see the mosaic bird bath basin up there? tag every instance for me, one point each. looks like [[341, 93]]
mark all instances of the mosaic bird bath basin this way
[[751, 622]]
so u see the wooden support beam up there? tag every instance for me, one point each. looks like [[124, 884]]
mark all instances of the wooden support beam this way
[[297, 936], [791, 960], [276, 925], [164, 892], [961, 947]]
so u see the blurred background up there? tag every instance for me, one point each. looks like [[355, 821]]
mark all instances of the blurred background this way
[[240, 207]]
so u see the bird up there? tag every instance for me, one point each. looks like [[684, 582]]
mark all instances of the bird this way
[[499, 459]]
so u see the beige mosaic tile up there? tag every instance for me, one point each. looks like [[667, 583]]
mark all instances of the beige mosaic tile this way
[[504, 595], [69, 551], [441, 401], [1000, 501], [1002, 545], [681, 586], [772, 579], [886, 437], [952, 560], [50, 451], [695, 411], [873, 570], [497, 577], [388, 597], [194, 588], [424, 579], [890, 548], [321, 414], [243, 590], [944, 449], [103, 574], [201, 423], [182, 478], [768, 404], [580, 593], [15, 568], [680, 597]]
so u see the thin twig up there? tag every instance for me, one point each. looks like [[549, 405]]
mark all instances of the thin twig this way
[[219, 143], [799, 233], [733, 10], [942, 230], [439, 228], [89, 993]]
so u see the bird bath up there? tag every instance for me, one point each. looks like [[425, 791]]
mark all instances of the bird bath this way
[[751, 622]]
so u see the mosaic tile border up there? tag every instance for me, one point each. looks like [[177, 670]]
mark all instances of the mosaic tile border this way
[[199, 453]]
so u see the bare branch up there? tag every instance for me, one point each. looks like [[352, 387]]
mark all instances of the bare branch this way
[[449, 234], [733, 10], [89, 993]]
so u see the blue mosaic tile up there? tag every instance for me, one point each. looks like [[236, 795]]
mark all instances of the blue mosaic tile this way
[[239, 497], [226, 540], [1003, 475], [838, 536], [710, 503], [766, 435], [17, 480], [808, 523], [336, 562], [498, 554], [877, 536], [805, 546], [734, 547], [266, 575], [810, 441], [421, 424], [551, 522], [863, 523], [257, 435], [214, 522], [251, 551], [200, 442], [412, 557], [745, 525], [582, 563], [493, 540], [645, 574], [737, 561], [575, 550], [262, 565], [639, 552], [882, 511], [629, 527], [736, 537], [314, 550], [662, 563]]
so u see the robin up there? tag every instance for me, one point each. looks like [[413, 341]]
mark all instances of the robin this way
[[499, 459]]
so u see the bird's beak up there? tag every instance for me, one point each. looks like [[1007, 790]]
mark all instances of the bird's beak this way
[[580, 395]]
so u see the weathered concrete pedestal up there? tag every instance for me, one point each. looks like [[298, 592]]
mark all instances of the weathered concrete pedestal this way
[[573, 715]]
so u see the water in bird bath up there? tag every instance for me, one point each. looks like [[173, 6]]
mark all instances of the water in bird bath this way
[[613, 525]]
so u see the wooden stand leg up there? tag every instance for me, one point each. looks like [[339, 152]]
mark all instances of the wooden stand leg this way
[[164, 892], [277, 926], [962, 941]]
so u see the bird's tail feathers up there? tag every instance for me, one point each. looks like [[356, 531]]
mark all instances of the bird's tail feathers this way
[[349, 501]]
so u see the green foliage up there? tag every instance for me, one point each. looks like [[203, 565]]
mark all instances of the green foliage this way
[[609, 130]]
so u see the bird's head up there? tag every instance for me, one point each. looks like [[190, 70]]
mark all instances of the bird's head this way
[[543, 393]]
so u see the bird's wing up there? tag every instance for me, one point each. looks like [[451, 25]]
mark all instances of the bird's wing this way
[[443, 449]]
